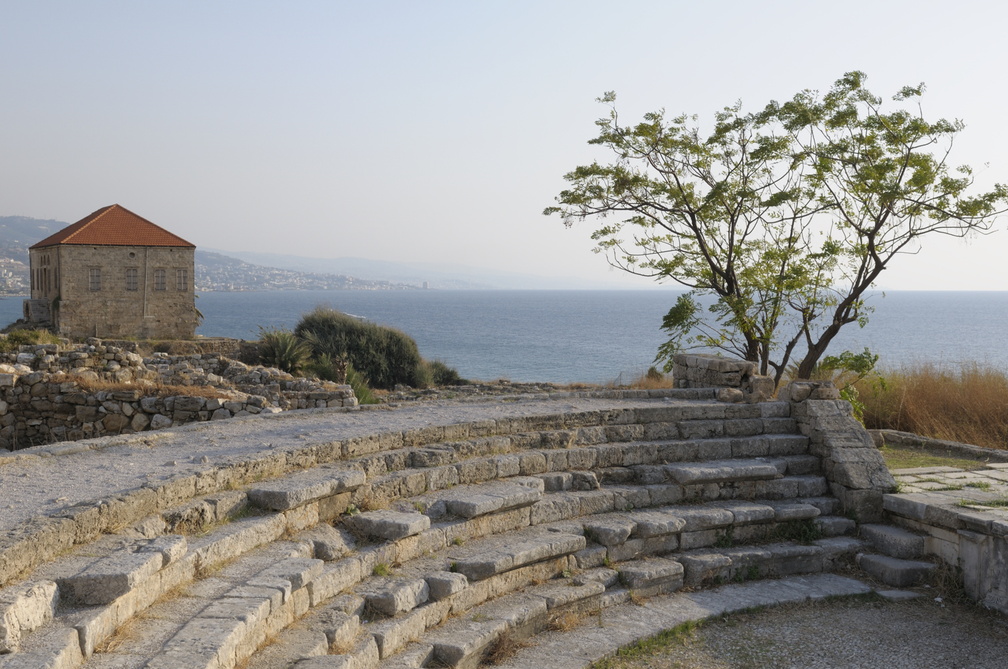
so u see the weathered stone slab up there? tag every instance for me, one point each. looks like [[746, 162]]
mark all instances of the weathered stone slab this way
[[398, 596], [517, 554], [392, 635], [203, 643], [328, 543], [293, 491], [24, 608], [464, 641], [699, 518], [445, 583], [649, 577], [299, 571], [747, 512], [53, 648], [390, 525], [609, 530], [787, 511], [731, 470], [478, 500], [111, 577], [568, 592], [894, 541], [656, 523], [363, 655], [895, 571], [702, 567]]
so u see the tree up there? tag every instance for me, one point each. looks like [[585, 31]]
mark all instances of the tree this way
[[780, 220]]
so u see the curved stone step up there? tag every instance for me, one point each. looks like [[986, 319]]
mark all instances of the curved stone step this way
[[510, 505]]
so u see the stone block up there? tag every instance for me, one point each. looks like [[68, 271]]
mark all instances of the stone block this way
[[895, 571], [894, 541], [293, 491], [653, 576], [398, 596], [444, 584], [111, 577], [609, 530], [52, 648], [656, 523], [24, 608], [328, 543], [390, 525]]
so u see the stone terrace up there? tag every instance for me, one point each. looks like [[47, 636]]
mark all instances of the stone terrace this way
[[435, 541]]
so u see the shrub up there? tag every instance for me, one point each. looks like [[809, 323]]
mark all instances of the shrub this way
[[18, 338], [443, 375], [385, 356], [283, 349]]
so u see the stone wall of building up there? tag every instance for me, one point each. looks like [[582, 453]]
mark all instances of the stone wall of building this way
[[121, 305], [50, 393]]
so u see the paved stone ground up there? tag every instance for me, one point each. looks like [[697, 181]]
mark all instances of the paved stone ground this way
[[919, 634]]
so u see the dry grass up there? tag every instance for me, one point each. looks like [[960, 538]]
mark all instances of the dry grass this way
[[504, 648], [652, 380], [564, 621], [969, 404], [150, 388]]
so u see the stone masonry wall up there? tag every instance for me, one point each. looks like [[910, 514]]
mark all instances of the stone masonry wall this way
[[44, 394], [148, 311], [713, 371], [851, 462]]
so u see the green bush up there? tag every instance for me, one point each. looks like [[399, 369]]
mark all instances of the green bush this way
[[443, 375], [18, 338], [360, 387], [283, 349], [385, 356]]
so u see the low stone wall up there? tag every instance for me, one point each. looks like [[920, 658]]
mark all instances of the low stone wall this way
[[713, 371], [855, 469], [46, 392]]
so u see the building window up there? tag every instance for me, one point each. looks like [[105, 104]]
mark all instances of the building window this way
[[94, 278], [182, 279], [131, 278], [160, 283]]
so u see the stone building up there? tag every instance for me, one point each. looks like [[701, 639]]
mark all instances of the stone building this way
[[113, 274]]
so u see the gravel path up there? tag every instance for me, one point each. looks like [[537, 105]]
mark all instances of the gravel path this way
[[917, 634], [45, 480]]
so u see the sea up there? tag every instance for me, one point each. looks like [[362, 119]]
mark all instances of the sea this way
[[597, 336]]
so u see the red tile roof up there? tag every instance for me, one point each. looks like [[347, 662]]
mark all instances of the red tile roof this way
[[113, 226]]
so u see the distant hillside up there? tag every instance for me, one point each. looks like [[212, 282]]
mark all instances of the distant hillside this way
[[214, 271]]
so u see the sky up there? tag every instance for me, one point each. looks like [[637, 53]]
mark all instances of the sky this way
[[437, 131]]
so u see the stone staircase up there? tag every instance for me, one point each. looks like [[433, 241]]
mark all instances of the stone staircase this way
[[440, 546], [899, 558]]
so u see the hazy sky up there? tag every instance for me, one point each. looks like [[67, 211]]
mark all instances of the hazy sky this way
[[438, 131]]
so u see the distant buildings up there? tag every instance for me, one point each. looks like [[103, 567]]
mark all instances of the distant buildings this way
[[113, 274]]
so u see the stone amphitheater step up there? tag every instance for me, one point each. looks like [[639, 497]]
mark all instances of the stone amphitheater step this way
[[505, 519], [895, 571], [893, 541], [900, 564]]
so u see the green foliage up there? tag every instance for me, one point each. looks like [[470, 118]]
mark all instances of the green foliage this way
[[283, 349], [360, 386], [846, 371], [385, 356], [329, 368], [17, 338], [443, 375], [779, 221]]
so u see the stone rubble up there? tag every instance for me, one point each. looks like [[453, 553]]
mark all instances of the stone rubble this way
[[44, 396]]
